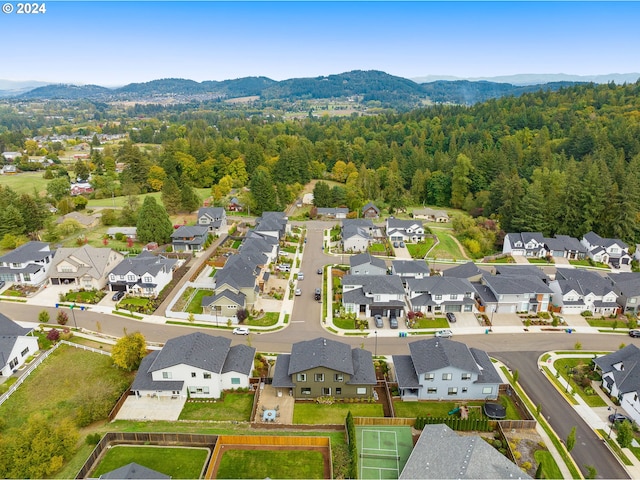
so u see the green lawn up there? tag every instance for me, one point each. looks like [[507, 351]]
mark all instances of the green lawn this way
[[195, 306], [271, 464], [419, 250], [319, 414], [235, 406], [601, 322], [562, 365], [539, 260], [176, 462], [429, 322], [88, 296], [25, 182], [377, 248], [441, 409], [447, 248], [345, 323], [267, 320], [507, 259], [549, 465], [119, 202]]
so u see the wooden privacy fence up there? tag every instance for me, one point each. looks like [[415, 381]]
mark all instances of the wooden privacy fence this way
[[389, 422]]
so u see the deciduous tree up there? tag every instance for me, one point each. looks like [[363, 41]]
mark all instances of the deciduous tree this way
[[129, 351]]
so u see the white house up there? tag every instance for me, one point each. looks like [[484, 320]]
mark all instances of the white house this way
[[367, 264], [512, 294], [606, 250], [621, 378], [357, 234], [404, 230], [577, 291], [438, 294], [197, 365], [214, 218], [145, 274], [16, 345], [373, 295], [28, 264], [528, 244]]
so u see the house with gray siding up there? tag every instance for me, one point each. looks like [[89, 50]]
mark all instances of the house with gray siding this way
[[606, 250], [323, 367], [407, 269], [438, 294], [367, 264], [189, 239], [439, 368], [513, 294], [214, 218], [627, 286], [576, 291]]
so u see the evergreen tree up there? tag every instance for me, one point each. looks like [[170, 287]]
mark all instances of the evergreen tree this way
[[263, 191], [171, 196], [322, 195], [189, 198], [153, 223], [460, 180]]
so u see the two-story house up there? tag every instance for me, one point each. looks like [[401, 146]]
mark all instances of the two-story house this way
[[627, 286], [566, 247], [407, 269], [370, 295], [441, 294], [367, 264], [370, 211], [189, 239], [621, 378], [28, 264], [85, 267], [439, 368], [16, 345], [512, 294], [275, 224], [323, 367], [214, 218], [145, 274], [197, 365], [357, 234], [528, 244], [606, 250], [404, 230], [576, 291]]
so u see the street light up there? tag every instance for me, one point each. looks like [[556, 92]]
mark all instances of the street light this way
[[72, 306], [375, 351], [615, 411]]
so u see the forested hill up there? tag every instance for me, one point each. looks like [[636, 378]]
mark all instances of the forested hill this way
[[388, 90]]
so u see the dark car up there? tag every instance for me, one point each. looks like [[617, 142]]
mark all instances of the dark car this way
[[634, 333], [618, 417], [393, 321], [118, 295], [318, 294], [451, 317], [319, 271], [377, 319]]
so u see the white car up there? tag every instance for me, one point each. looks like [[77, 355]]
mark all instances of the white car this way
[[241, 331], [444, 334], [300, 276], [298, 292]]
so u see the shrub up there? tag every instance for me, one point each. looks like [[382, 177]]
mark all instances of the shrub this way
[[62, 318], [53, 335], [92, 439], [526, 466], [43, 317], [587, 313]]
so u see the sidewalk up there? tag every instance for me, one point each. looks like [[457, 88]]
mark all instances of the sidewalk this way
[[595, 417]]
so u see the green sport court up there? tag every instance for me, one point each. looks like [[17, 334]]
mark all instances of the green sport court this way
[[383, 451]]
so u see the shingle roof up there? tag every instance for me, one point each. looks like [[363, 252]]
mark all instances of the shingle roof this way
[[466, 270], [239, 359], [522, 271], [628, 378], [508, 284], [372, 284], [88, 260], [410, 266], [364, 258], [405, 371], [400, 224], [237, 298], [627, 283], [437, 285], [196, 349], [595, 239], [187, 231], [281, 376], [436, 353], [212, 212], [144, 380], [364, 373], [134, 471], [10, 328], [583, 282], [144, 262], [29, 252], [321, 352]]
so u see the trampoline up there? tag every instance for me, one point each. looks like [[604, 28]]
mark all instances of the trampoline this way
[[494, 410]]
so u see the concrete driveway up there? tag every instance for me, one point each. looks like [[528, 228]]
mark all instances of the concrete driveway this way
[[464, 320], [506, 320], [148, 408]]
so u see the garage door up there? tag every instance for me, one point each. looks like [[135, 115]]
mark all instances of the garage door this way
[[453, 308], [506, 309]]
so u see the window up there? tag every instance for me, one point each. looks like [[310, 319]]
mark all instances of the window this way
[[465, 389], [487, 390], [235, 381], [193, 374], [166, 375], [338, 377], [319, 377], [447, 376], [206, 375], [13, 363], [326, 391], [432, 390], [429, 376], [453, 391], [338, 390], [25, 351], [437, 297], [148, 279], [467, 295], [301, 377], [131, 278], [453, 296], [112, 277], [27, 277], [306, 391], [361, 391], [466, 376]]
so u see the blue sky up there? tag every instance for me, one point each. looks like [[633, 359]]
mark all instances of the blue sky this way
[[114, 43]]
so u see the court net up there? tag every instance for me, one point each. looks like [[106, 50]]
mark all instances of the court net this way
[[380, 456]]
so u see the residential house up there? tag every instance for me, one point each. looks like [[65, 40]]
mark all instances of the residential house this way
[[431, 215], [404, 230], [128, 232], [274, 224], [407, 269], [566, 247], [367, 264], [528, 244], [332, 212], [224, 305], [606, 250], [145, 274], [627, 287], [16, 345], [10, 156], [85, 221], [370, 295], [512, 294], [9, 170], [522, 271], [307, 199], [28, 264], [80, 188], [214, 218], [189, 239], [258, 243], [133, 471], [242, 274], [438, 294], [323, 367], [439, 368], [197, 365], [358, 234], [576, 291], [469, 271], [370, 211], [621, 378], [441, 453], [234, 205], [85, 267]]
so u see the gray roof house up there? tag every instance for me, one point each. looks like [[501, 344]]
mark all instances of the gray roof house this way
[[606, 250], [336, 212], [440, 368], [373, 295], [189, 239], [196, 364], [145, 274], [27, 264], [367, 264], [431, 215], [16, 345], [565, 246], [627, 286], [438, 294], [243, 273], [441, 453], [323, 367], [274, 224], [85, 267], [469, 271], [528, 244], [370, 211], [214, 218], [513, 294], [357, 234], [577, 290], [621, 378], [404, 230], [406, 269], [224, 304], [133, 471]]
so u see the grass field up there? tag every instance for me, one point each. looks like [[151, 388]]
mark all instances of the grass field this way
[[549, 465], [562, 366], [318, 414], [429, 322], [119, 202], [419, 250], [441, 409], [176, 462], [447, 248], [271, 464], [235, 406], [267, 320], [195, 306], [25, 182]]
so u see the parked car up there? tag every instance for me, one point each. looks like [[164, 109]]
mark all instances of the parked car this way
[[118, 295], [618, 417], [300, 276], [377, 319], [395, 244], [451, 317], [401, 244], [2, 283], [393, 321], [241, 331], [284, 267], [444, 334], [634, 333], [298, 292], [318, 294], [319, 272]]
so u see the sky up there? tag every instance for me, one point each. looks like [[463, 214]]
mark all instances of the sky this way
[[115, 43]]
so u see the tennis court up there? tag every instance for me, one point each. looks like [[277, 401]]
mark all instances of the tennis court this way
[[383, 451]]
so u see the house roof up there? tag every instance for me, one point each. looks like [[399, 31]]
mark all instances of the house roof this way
[[212, 212], [522, 271], [196, 349], [88, 260], [627, 375], [466, 270], [405, 371], [130, 231], [400, 224], [238, 298], [10, 328], [134, 471], [321, 352], [144, 262], [186, 231], [372, 206], [239, 359], [595, 239], [441, 453], [364, 373], [366, 257], [239, 272], [514, 285], [332, 211], [281, 376], [569, 244], [627, 283], [410, 266], [430, 212], [436, 353], [29, 252], [85, 220], [376, 284], [437, 285], [584, 282], [144, 380]]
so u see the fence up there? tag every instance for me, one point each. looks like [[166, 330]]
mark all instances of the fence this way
[[389, 422], [36, 363], [145, 438]]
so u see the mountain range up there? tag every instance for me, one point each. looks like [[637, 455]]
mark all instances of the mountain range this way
[[368, 86]]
